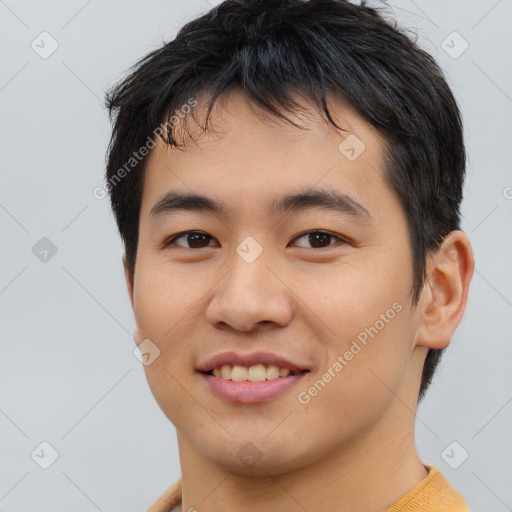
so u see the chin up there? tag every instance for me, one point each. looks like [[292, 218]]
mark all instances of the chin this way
[[277, 464], [253, 456]]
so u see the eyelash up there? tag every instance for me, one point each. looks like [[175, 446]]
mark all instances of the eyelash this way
[[171, 240]]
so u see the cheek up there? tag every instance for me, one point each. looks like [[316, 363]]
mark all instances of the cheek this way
[[164, 299], [351, 296], [165, 307], [363, 372], [367, 317]]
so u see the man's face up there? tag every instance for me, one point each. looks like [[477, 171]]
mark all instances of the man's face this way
[[327, 290]]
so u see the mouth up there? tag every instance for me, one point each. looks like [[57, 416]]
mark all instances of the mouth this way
[[254, 373], [250, 378]]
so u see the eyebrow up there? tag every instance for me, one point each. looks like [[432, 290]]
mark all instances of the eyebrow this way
[[326, 199]]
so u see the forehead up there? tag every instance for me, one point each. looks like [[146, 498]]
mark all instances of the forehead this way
[[249, 153]]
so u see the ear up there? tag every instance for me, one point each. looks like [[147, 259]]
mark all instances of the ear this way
[[129, 284], [445, 294], [129, 279]]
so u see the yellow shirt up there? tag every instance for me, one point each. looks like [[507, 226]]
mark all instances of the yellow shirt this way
[[432, 494]]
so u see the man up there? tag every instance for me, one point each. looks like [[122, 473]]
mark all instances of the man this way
[[286, 177]]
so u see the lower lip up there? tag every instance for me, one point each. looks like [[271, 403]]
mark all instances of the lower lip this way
[[250, 392]]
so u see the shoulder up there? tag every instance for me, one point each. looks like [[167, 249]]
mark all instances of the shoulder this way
[[169, 501], [433, 493]]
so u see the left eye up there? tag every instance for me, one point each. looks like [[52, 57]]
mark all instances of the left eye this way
[[317, 239]]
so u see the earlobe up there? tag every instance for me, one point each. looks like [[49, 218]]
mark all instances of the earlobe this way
[[129, 279], [446, 289], [129, 284], [136, 336]]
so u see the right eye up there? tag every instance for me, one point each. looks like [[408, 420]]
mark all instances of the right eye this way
[[195, 239]]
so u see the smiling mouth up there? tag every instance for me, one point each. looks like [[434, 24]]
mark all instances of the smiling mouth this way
[[254, 373]]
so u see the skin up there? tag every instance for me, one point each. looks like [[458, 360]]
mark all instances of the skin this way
[[351, 448]]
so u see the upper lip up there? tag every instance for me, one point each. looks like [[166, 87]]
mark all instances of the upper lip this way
[[237, 358]]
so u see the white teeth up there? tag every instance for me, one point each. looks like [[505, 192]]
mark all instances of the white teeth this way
[[272, 372], [255, 373], [239, 373], [226, 371]]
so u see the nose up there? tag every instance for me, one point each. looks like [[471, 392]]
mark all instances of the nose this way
[[252, 296]]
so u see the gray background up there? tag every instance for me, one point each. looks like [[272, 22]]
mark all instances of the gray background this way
[[68, 373]]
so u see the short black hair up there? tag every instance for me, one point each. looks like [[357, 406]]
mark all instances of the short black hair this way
[[271, 49]]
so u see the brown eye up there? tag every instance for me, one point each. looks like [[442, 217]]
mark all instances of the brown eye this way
[[194, 239], [317, 239]]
